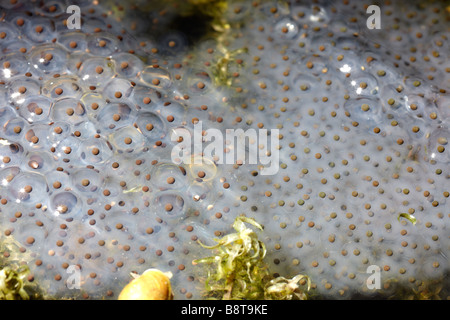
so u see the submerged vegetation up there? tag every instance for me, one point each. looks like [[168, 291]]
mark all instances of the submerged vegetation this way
[[12, 283], [238, 270]]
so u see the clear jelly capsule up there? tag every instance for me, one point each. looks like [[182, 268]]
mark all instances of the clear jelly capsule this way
[[66, 150], [437, 145], [199, 82], [362, 84], [174, 113], [12, 64], [22, 46], [146, 98], [52, 8], [172, 43], [14, 129], [119, 221], [169, 205], [11, 153], [36, 136], [114, 116], [150, 126], [102, 44], [38, 161], [367, 112], [62, 87], [21, 88], [73, 41], [169, 176], [87, 180], [95, 151], [65, 205], [95, 71], [118, 89], [6, 114], [8, 33], [48, 59], [8, 174], [29, 233], [28, 189], [40, 30], [127, 65], [58, 181], [70, 110], [286, 29], [156, 77], [127, 140]]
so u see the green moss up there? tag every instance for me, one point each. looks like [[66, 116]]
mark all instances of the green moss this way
[[238, 270]]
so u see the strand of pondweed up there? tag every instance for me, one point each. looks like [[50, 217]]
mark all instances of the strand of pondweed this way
[[239, 271]]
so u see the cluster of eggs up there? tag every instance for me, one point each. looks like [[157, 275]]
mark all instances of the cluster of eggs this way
[[87, 178]]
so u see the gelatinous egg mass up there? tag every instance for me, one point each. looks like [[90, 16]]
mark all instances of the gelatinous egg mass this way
[[98, 124]]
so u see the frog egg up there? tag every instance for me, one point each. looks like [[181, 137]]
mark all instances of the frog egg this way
[[58, 181], [96, 71], [198, 82], [70, 110], [21, 88], [14, 129], [172, 43], [52, 8], [118, 221], [127, 65], [8, 33], [305, 84], [169, 205], [114, 116], [12, 64], [156, 77], [48, 59], [67, 149], [286, 29], [10, 153], [437, 145], [35, 109], [204, 171], [199, 193], [29, 233], [85, 129], [127, 140], [118, 90], [150, 126], [22, 46], [57, 132], [37, 138], [75, 61], [102, 44], [28, 189], [8, 174], [65, 205], [38, 161], [73, 41], [367, 112], [95, 151], [145, 97], [87, 180], [41, 30], [62, 87], [94, 102], [174, 113], [169, 176], [362, 84]]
